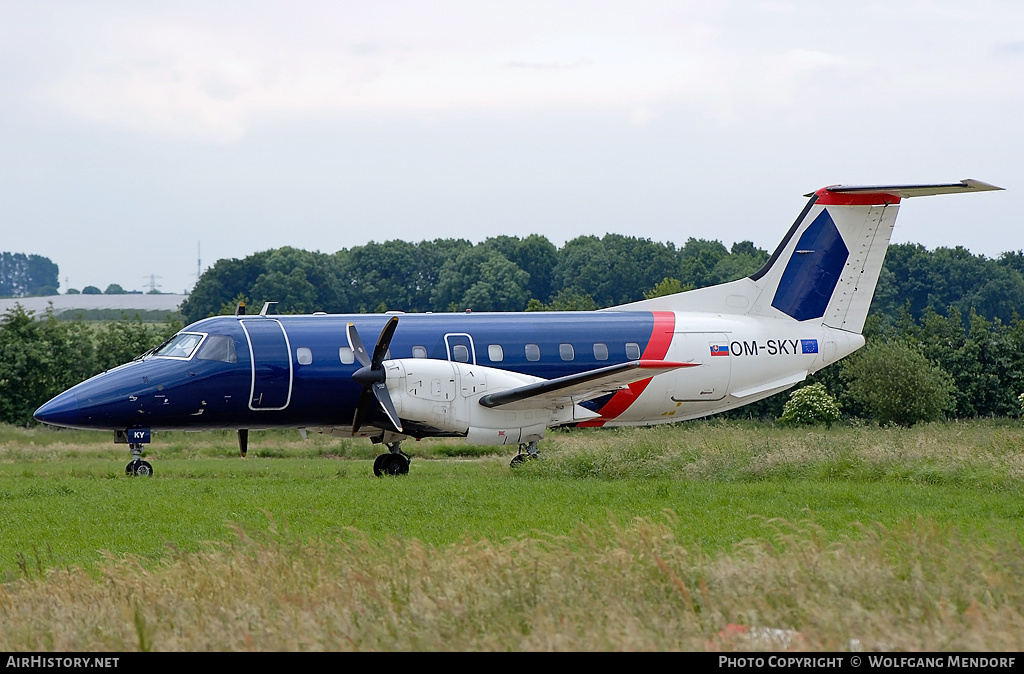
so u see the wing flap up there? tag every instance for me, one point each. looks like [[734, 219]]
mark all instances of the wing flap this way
[[581, 386]]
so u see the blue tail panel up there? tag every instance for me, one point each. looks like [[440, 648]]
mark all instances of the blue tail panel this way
[[813, 271]]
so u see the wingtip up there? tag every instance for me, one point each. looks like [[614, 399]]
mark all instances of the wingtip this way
[[980, 186]]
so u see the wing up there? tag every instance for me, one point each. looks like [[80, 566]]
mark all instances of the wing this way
[[579, 387]]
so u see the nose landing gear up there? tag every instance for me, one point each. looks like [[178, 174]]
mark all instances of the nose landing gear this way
[[138, 467]]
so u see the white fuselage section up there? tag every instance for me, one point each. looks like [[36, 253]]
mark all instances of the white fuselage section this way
[[742, 359]]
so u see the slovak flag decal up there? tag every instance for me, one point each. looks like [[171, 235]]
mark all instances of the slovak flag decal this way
[[719, 349]]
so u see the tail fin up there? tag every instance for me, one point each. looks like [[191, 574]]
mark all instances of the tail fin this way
[[826, 267]]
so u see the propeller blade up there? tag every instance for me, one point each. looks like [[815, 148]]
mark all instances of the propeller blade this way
[[364, 402], [371, 375], [380, 389], [356, 345], [243, 441], [383, 342]]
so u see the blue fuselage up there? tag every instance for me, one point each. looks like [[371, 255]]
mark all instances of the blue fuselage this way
[[296, 371]]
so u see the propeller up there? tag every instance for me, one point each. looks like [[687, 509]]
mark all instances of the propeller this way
[[371, 375]]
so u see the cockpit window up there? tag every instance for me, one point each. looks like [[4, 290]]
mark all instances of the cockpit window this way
[[218, 347], [180, 346]]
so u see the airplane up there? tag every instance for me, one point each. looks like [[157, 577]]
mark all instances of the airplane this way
[[505, 378]]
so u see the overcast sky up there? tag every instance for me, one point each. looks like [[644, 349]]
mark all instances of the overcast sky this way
[[136, 137]]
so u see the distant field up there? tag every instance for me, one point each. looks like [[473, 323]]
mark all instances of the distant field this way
[[149, 308], [907, 535], [108, 315]]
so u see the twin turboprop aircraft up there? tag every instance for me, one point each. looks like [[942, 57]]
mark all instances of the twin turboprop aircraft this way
[[505, 378]]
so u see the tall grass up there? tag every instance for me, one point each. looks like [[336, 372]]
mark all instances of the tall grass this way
[[629, 586], [977, 453], [699, 536], [972, 453]]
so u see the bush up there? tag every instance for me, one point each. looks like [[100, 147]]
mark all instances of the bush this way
[[896, 384], [811, 405]]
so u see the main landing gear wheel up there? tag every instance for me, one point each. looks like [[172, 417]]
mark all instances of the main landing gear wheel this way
[[138, 468], [527, 451], [392, 463]]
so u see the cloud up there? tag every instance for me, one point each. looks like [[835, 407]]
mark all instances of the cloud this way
[[1010, 48], [212, 74], [187, 80], [579, 63]]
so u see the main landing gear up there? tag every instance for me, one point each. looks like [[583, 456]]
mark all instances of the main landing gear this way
[[138, 466], [395, 462], [527, 451]]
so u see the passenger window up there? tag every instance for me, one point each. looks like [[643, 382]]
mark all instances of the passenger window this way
[[461, 353], [303, 355], [566, 351], [218, 347], [495, 353], [601, 351], [633, 351], [532, 352], [346, 355], [419, 352]]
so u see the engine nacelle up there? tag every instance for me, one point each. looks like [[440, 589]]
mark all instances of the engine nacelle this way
[[446, 395]]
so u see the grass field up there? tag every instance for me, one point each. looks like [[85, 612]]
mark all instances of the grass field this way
[[640, 539]]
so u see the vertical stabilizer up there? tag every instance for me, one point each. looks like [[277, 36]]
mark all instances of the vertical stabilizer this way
[[826, 268]]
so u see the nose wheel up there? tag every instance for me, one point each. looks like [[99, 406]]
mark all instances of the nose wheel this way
[[138, 467]]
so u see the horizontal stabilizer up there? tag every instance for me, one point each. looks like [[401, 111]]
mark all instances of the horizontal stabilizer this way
[[907, 191], [584, 385]]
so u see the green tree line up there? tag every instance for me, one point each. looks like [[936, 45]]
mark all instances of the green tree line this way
[[27, 275], [504, 273]]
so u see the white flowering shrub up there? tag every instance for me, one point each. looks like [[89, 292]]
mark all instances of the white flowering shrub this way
[[1020, 399], [810, 405]]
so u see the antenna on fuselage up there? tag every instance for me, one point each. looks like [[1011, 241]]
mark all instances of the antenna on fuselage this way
[[240, 309], [266, 306]]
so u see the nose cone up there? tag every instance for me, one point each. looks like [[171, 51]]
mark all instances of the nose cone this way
[[61, 411]]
